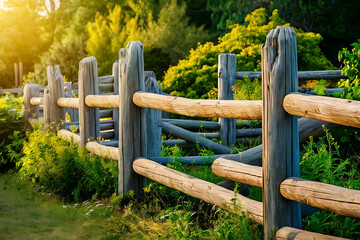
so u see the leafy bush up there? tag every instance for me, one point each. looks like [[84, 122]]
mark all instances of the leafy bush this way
[[11, 131], [59, 166], [195, 76]]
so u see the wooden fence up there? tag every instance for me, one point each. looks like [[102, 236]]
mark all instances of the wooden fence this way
[[133, 99]]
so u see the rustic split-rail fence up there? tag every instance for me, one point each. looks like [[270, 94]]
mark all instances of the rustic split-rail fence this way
[[120, 117]]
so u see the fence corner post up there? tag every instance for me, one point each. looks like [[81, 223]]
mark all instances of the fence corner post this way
[[30, 111], [89, 117], [132, 121], [226, 79], [280, 129]]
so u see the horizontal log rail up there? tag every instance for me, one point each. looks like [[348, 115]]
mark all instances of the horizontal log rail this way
[[206, 191], [321, 195], [68, 102], [335, 110], [106, 87], [108, 113], [289, 233], [69, 136], [104, 101], [37, 101], [188, 160], [238, 172], [107, 135], [302, 75], [193, 124], [103, 151], [106, 79], [200, 108]]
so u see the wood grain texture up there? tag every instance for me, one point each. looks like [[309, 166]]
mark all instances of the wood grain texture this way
[[188, 160], [106, 79], [206, 191], [89, 117], [30, 111], [69, 136], [280, 130], [193, 124], [103, 151], [104, 101], [321, 195], [289, 233], [341, 111], [37, 101], [194, 138], [115, 115], [46, 111], [226, 79], [56, 91], [200, 108], [16, 71], [238, 172], [107, 135], [132, 121], [68, 102]]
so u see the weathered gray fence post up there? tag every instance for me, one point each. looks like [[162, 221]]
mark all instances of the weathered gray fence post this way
[[226, 79], [30, 111], [56, 91], [89, 117], [153, 117], [47, 112], [132, 121], [279, 129], [115, 73]]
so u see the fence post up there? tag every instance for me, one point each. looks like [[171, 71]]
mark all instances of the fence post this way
[[115, 73], [46, 112], [30, 111], [21, 73], [279, 129], [56, 91], [89, 118], [16, 70], [153, 117], [132, 122], [226, 79]]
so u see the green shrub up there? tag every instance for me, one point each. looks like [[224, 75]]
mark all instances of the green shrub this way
[[11, 131], [59, 166], [195, 76]]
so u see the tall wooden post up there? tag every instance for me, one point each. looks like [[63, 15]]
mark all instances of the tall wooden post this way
[[20, 73], [47, 109], [153, 117], [16, 70], [115, 73], [56, 91], [89, 118], [226, 79], [279, 129], [30, 111], [132, 121]]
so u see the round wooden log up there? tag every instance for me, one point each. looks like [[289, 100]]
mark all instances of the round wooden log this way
[[106, 125], [206, 191], [188, 160], [280, 136], [107, 135], [56, 91], [200, 108], [104, 101], [89, 117], [111, 143], [69, 136], [179, 143], [106, 113], [194, 138], [226, 79], [289, 233], [193, 124], [106, 79], [68, 102], [238, 172], [341, 111], [37, 101], [254, 132], [106, 87], [103, 151], [321, 195], [30, 111], [132, 119]]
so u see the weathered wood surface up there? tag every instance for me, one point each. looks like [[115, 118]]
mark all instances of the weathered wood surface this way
[[103, 151], [179, 143], [89, 117], [106, 125], [11, 90], [47, 109], [280, 136], [37, 101], [307, 127], [115, 74], [254, 132], [69, 136], [68, 102], [226, 79], [30, 111], [188, 160], [289, 233], [104, 101], [302, 75], [56, 91], [132, 119], [206, 191], [341, 111], [106, 87], [106, 79], [21, 72], [107, 135], [321, 195], [193, 124], [16, 71], [111, 143], [200, 108], [106, 113], [238, 172], [153, 116], [194, 138]]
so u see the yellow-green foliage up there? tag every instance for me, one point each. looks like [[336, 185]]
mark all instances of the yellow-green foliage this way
[[195, 76]]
